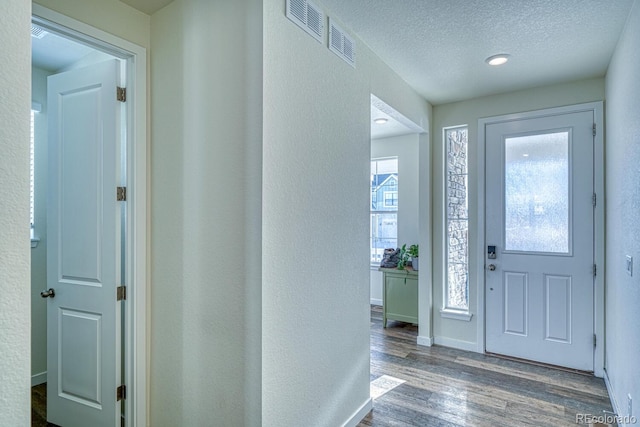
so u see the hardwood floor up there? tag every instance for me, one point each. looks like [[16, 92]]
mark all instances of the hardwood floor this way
[[448, 387], [39, 406]]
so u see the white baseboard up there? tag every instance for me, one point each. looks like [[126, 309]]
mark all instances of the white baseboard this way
[[362, 412], [425, 341], [453, 343], [38, 379], [375, 301], [612, 395]]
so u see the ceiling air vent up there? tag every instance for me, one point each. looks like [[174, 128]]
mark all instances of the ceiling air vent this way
[[341, 44], [37, 32], [307, 16]]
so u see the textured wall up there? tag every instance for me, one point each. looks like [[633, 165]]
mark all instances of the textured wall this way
[[315, 233], [15, 321], [623, 215], [205, 213], [468, 112]]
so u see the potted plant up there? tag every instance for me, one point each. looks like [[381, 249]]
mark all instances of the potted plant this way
[[413, 253], [408, 254]]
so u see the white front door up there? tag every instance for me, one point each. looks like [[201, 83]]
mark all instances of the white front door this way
[[83, 252], [540, 225]]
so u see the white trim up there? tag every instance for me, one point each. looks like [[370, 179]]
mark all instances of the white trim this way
[[425, 341], [599, 238], [457, 344], [612, 396], [376, 301], [38, 379], [463, 315], [425, 239], [362, 412], [480, 316], [136, 262]]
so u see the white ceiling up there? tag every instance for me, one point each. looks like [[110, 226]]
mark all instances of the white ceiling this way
[[439, 46], [52, 52]]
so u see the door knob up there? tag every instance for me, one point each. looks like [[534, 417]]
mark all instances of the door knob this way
[[492, 267], [50, 293]]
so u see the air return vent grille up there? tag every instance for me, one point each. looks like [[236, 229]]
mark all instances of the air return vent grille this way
[[37, 32], [341, 44], [307, 16]]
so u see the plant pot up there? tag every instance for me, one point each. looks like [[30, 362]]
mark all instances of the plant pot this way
[[414, 263]]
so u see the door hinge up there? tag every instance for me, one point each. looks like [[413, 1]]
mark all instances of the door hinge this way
[[121, 194], [121, 94], [595, 270], [594, 129], [594, 340], [121, 393], [121, 293], [594, 199]]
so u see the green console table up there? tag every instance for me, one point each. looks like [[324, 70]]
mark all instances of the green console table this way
[[400, 295]]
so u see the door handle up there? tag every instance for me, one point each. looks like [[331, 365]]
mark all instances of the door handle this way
[[50, 293], [492, 267]]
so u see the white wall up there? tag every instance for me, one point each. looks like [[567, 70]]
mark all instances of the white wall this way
[[15, 316], [622, 215], [39, 253], [457, 332], [315, 233], [206, 214], [405, 147]]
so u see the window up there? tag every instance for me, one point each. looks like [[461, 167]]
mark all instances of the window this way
[[384, 207], [456, 296], [32, 172], [390, 199]]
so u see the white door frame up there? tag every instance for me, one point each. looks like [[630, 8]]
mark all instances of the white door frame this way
[[136, 247], [599, 236]]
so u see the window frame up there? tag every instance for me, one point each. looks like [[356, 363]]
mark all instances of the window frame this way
[[36, 108]]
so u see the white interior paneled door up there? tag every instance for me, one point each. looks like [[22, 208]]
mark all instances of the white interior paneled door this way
[[84, 248], [539, 291]]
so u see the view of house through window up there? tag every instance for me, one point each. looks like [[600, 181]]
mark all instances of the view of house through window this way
[[384, 207], [457, 215]]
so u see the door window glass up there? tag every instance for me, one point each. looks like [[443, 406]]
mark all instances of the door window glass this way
[[537, 187]]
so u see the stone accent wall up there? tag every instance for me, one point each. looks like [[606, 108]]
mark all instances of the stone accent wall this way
[[457, 219]]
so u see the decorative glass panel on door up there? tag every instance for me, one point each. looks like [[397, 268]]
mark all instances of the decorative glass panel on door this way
[[537, 191]]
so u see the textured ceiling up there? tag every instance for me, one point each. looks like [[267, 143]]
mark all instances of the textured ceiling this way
[[439, 46]]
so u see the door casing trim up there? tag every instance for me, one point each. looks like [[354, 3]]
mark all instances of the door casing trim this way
[[599, 235], [137, 245]]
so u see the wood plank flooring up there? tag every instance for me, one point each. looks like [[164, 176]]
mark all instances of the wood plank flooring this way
[[448, 387]]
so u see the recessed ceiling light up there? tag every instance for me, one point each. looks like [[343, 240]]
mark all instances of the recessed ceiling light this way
[[381, 121], [498, 59]]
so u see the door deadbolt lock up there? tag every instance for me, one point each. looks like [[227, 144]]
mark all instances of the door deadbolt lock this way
[[491, 252]]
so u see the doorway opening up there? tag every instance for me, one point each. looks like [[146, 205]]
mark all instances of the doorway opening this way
[[63, 45]]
